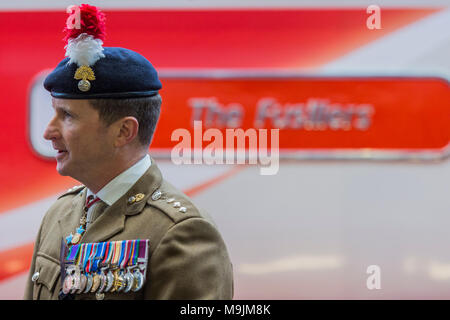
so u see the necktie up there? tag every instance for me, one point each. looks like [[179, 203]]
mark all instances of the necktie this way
[[90, 201], [95, 212]]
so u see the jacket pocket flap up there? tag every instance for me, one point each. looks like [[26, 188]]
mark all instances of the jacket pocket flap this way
[[48, 269]]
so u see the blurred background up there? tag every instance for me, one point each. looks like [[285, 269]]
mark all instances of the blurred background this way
[[362, 102]]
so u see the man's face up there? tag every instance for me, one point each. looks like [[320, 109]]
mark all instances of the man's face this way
[[83, 142]]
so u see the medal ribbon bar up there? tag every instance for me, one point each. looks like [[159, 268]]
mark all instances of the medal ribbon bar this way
[[113, 266]]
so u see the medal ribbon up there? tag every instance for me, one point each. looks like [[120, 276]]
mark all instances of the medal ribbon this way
[[83, 256], [79, 257], [93, 261], [128, 247], [123, 248], [107, 254], [113, 250], [116, 254], [135, 252], [92, 256], [99, 255], [86, 257], [73, 252], [132, 251], [142, 250]]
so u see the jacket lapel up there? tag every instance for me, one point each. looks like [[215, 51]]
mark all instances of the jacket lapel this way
[[110, 222], [70, 220]]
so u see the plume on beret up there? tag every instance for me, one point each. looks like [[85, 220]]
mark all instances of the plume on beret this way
[[85, 44]]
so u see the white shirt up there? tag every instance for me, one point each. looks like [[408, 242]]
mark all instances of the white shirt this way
[[118, 186]]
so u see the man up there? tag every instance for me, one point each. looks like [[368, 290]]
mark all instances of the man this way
[[125, 233]]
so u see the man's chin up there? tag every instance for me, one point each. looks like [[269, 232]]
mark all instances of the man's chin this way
[[62, 169]]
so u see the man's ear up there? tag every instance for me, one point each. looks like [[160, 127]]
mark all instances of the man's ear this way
[[126, 131]]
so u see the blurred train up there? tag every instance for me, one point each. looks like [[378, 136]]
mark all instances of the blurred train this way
[[358, 207]]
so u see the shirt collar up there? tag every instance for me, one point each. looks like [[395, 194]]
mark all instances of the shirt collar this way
[[118, 186]]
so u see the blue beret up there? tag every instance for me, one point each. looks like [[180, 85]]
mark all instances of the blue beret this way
[[122, 73]]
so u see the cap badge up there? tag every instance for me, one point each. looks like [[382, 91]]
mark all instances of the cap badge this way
[[84, 74]]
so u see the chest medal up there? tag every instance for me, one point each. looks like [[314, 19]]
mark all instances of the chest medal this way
[[105, 267]]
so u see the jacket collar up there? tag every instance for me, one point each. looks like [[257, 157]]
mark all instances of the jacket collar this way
[[116, 188], [112, 220]]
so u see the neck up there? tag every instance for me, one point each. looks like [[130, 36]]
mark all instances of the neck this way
[[102, 176]]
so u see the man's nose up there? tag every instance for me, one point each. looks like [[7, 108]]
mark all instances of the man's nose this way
[[51, 132]]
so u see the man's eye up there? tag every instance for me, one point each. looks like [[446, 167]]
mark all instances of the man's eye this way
[[66, 114]]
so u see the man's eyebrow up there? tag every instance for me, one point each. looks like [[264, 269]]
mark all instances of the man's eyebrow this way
[[63, 108]]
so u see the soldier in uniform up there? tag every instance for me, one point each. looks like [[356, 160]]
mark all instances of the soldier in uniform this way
[[125, 215]]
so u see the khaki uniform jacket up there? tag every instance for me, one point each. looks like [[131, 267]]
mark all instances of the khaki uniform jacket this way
[[187, 255]]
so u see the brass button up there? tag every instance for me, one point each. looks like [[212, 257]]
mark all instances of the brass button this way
[[99, 296], [139, 196]]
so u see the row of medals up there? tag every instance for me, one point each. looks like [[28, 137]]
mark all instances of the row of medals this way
[[111, 278], [77, 282]]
